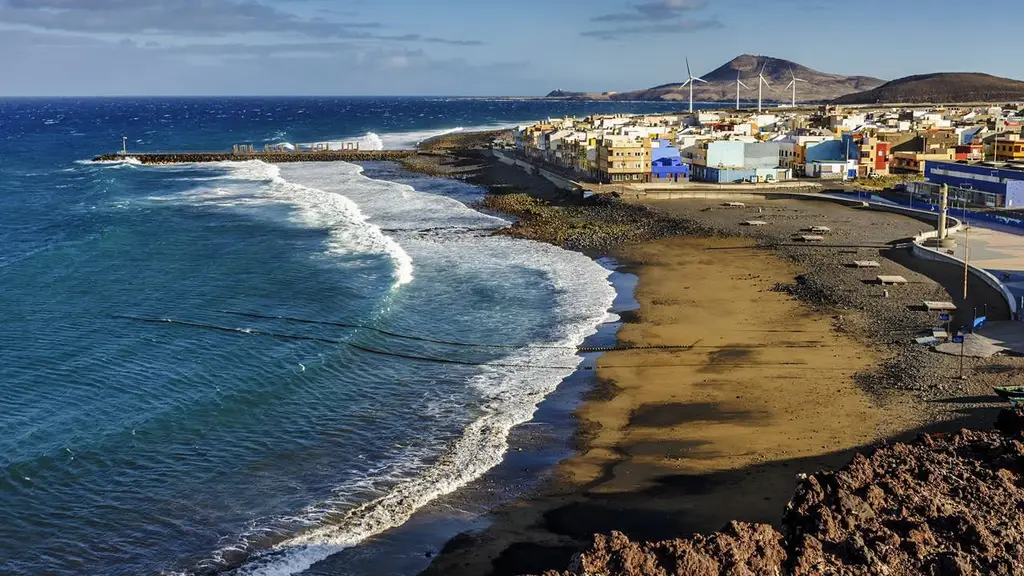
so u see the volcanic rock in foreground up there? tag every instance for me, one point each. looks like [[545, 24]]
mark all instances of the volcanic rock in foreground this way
[[941, 505], [941, 89]]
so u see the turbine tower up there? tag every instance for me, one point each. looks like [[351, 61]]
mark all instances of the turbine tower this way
[[691, 80], [761, 82], [792, 84], [738, 84]]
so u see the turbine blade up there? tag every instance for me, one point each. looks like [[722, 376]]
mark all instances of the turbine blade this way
[[793, 83], [688, 75], [700, 79]]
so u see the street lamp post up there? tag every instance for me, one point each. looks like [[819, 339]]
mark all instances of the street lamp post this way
[[124, 145], [967, 249]]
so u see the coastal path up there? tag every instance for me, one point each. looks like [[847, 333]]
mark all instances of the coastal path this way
[[998, 249]]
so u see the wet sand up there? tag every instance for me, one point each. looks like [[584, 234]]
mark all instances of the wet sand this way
[[674, 442], [779, 383]]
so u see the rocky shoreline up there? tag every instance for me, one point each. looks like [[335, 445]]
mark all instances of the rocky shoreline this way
[[597, 228], [908, 373]]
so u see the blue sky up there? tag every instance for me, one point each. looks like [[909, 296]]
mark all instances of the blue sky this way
[[475, 47]]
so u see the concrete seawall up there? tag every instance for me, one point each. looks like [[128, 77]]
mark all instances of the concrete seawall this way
[[559, 181], [272, 157]]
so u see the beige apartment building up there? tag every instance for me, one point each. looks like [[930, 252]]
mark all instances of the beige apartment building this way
[[624, 159]]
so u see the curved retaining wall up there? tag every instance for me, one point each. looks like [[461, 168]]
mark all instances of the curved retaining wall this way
[[919, 250]]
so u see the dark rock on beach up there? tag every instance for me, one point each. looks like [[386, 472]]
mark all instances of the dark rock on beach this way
[[592, 228], [943, 504]]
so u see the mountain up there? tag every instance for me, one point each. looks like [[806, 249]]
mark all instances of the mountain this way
[[721, 86], [943, 88]]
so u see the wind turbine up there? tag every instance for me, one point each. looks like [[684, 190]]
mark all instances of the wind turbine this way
[[691, 80], [761, 81], [738, 84], [792, 84]]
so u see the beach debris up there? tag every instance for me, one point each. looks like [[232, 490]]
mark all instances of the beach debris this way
[[819, 229], [754, 223], [810, 238], [866, 264], [734, 205]]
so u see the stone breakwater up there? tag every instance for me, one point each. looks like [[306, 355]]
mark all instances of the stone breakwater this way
[[943, 504], [271, 157]]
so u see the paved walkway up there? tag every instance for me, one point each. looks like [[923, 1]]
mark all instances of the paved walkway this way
[[998, 249]]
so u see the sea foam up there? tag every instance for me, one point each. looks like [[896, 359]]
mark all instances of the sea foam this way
[[349, 230], [339, 198], [411, 138], [510, 388]]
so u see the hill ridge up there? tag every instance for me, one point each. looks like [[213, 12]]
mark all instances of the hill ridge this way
[[721, 86], [940, 88]]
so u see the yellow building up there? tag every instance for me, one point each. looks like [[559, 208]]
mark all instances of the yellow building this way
[[533, 136], [1009, 149], [914, 161], [800, 157], [624, 159]]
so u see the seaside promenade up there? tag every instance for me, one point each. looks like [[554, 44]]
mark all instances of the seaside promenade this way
[[998, 249]]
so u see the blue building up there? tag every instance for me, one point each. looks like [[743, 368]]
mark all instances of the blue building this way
[[981, 184], [844, 149], [722, 175], [666, 163], [734, 161]]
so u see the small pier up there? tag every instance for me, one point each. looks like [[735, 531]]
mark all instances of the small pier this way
[[273, 157]]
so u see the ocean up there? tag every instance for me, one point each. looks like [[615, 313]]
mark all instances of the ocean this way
[[245, 368]]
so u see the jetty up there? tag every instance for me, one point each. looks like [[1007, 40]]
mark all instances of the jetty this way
[[274, 157]]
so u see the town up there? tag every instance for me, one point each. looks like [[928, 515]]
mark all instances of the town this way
[[978, 152]]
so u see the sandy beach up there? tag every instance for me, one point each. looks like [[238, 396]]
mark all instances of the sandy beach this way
[[675, 442], [798, 362]]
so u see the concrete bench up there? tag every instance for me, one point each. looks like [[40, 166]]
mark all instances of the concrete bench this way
[[884, 280], [866, 264]]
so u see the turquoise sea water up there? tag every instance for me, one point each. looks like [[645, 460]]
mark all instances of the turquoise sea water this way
[[156, 416]]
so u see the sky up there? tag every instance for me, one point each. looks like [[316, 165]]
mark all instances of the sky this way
[[475, 47]]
